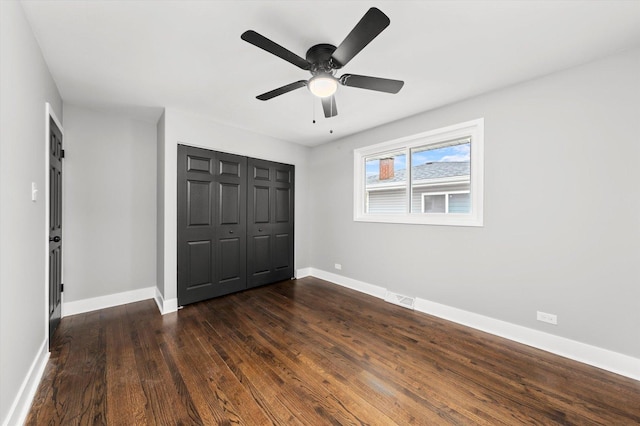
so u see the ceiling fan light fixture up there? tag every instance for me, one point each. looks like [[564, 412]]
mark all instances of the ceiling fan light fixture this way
[[323, 85], [323, 60]]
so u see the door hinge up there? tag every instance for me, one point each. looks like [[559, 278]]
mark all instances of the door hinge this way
[[62, 153], [61, 288]]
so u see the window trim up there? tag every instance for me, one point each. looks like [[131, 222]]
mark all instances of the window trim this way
[[473, 129]]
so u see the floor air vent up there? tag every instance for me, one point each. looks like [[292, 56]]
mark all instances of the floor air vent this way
[[400, 300]]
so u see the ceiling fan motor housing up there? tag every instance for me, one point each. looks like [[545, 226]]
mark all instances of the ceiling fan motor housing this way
[[319, 56]]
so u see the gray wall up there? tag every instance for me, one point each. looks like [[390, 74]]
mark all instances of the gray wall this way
[[562, 210], [567, 140], [109, 205], [160, 205], [25, 85], [185, 128]]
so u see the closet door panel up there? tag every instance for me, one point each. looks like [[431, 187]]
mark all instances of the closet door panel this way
[[261, 204], [196, 225], [281, 260], [198, 203], [230, 195], [199, 256], [270, 222], [283, 205], [212, 202], [231, 265], [260, 255], [283, 213], [231, 236]]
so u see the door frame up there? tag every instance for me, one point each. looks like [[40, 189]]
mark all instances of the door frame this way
[[50, 114]]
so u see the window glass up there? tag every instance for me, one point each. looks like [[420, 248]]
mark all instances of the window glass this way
[[386, 183], [434, 203], [435, 178], [459, 203], [439, 169]]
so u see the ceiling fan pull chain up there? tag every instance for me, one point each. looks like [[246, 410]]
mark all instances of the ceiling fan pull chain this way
[[313, 107]]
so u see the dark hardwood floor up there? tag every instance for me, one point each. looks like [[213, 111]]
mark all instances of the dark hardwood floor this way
[[313, 353]]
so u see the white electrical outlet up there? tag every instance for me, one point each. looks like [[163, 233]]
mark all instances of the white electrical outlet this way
[[545, 317], [338, 266]]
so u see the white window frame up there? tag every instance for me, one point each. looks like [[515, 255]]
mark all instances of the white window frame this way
[[473, 129], [446, 199]]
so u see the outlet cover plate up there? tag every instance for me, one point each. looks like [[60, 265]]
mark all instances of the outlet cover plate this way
[[545, 317]]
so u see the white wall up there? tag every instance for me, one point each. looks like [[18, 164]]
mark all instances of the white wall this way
[[25, 87], [109, 204], [562, 210], [184, 128]]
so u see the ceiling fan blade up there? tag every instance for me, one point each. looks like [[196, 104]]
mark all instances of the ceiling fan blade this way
[[329, 106], [282, 90], [274, 48], [371, 24], [371, 83]]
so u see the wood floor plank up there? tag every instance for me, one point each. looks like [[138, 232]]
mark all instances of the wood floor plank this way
[[308, 352], [125, 396], [221, 378], [262, 386], [514, 388], [287, 365], [77, 388], [393, 402], [210, 399], [339, 394], [45, 408], [164, 399], [331, 323]]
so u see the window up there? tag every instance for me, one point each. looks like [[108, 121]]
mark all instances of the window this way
[[434, 178]]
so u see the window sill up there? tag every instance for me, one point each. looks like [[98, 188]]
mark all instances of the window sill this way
[[422, 219]]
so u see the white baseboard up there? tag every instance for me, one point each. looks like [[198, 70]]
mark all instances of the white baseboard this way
[[108, 301], [303, 272], [165, 306], [587, 354], [20, 407], [362, 287]]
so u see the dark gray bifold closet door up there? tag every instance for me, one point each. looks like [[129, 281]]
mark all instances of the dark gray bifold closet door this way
[[269, 222], [211, 224]]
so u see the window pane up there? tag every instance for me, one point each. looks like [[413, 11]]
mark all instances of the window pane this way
[[459, 203], [435, 203], [440, 169], [386, 183]]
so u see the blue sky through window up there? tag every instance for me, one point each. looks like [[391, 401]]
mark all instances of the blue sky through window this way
[[461, 152]]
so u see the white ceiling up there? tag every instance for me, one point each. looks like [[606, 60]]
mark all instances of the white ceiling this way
[[139, 56]]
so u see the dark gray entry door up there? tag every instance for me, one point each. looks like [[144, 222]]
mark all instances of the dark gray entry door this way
[[55, 226], [211, 224], [270, 216]]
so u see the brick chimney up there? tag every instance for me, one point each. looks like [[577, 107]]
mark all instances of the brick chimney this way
[[386, 168]]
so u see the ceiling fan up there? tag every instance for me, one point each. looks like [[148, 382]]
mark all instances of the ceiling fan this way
[[322, 60]]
